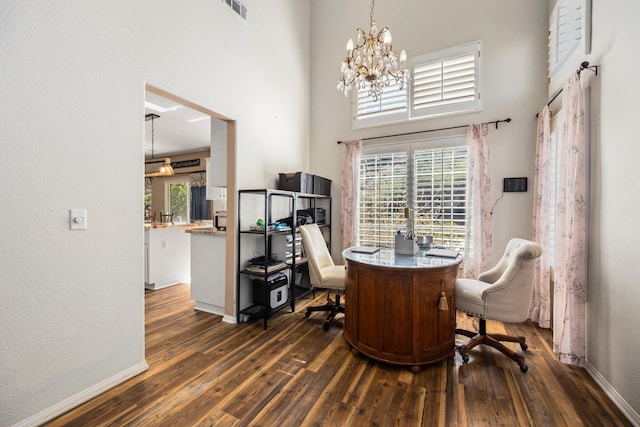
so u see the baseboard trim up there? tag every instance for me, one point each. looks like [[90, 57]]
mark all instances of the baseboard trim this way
[[85, 395], [618, 400], [229, 319], [209, 308]]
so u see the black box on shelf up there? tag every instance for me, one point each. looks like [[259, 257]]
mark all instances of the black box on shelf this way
[[277, 285], [319, 215], [300, 182], [321, 185]]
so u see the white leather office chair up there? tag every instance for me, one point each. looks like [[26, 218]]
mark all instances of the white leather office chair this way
[[322, 271], [502, 293]]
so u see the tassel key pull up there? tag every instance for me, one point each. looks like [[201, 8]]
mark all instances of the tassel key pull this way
[[443, 305]]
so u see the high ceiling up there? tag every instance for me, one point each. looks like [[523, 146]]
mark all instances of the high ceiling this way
[[179, 129]]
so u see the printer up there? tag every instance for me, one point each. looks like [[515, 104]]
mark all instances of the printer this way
[[271, 291]]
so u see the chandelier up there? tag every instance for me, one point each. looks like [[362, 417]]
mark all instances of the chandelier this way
[[372, 63], [156, 167]]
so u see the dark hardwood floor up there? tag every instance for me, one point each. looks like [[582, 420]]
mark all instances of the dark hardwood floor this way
[[206, 372]]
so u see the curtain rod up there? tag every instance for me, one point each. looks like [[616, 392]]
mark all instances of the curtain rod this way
[[507, 120], [583, 66]]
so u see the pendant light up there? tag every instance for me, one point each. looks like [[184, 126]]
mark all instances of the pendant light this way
[[156, 167]]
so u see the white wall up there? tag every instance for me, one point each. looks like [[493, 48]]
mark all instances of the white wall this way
[[514, 40], [72, 79], [614, 234]]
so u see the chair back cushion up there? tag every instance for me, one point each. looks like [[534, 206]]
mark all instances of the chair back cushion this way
[[508, 299], [318, 255]]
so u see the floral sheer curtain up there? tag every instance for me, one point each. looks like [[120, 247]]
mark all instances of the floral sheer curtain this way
[[478, 245], [570, 293], [349, 188], [560, 226], [543, 214]]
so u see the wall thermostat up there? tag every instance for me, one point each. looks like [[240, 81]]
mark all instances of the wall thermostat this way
[[514, 185]]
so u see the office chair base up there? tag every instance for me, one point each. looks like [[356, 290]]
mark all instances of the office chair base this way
[[333, 307], [492, 340]]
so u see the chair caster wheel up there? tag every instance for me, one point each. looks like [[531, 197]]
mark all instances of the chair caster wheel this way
[[325, 326], [465, 357], [524, 346], [524, 368]]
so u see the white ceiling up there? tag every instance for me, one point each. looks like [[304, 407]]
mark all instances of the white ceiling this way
[[179, 129]]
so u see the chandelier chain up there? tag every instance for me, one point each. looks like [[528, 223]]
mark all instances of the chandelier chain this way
[[152, 139], [372, 21]]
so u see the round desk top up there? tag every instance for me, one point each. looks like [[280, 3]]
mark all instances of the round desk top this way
[[388, 258]]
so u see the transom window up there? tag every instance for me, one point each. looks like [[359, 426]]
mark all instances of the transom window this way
[[442, 83], [429, 177]]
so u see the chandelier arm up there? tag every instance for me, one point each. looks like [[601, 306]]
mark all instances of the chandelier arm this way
[[362, 34], [394, 76], [381, 34], [350, 82]]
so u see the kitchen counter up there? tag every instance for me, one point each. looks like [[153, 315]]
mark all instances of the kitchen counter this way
[[206, 230], [149, 225]]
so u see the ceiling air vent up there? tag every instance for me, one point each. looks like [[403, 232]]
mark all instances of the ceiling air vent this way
[[237, 7]]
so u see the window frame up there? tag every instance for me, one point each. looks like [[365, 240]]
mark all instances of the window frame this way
[[574, 16], [167, 196], [410, 148], [450, 108], [411, 113]]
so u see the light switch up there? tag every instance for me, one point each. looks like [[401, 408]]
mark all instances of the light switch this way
[[77, 219]]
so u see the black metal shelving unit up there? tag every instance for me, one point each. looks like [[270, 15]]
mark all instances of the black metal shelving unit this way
[[296, 266]]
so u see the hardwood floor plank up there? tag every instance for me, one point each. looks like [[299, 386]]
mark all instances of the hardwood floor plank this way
[[217, 418], [203, 372], [410, 402]]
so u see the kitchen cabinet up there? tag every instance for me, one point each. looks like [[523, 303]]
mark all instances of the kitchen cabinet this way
[[208, 269], [217, 163], [167, 256]]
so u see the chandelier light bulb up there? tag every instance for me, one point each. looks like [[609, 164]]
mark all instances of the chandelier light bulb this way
[[349, 47], [386, 38]]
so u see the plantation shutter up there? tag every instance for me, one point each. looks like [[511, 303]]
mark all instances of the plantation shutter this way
[[443, 82], [447, 84], [440, 178], [565, 32], [382, 198], [392, 104]]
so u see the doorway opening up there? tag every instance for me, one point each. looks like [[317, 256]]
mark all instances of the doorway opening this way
[[207, 131]]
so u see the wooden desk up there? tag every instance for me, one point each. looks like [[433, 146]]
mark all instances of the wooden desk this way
[[392, 310]]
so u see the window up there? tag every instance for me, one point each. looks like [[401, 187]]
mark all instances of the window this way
[[557, 124], [428, 177], [382, 197], [147, 203], [392, 105], [569, 39], [443, 82], [177, 200]]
